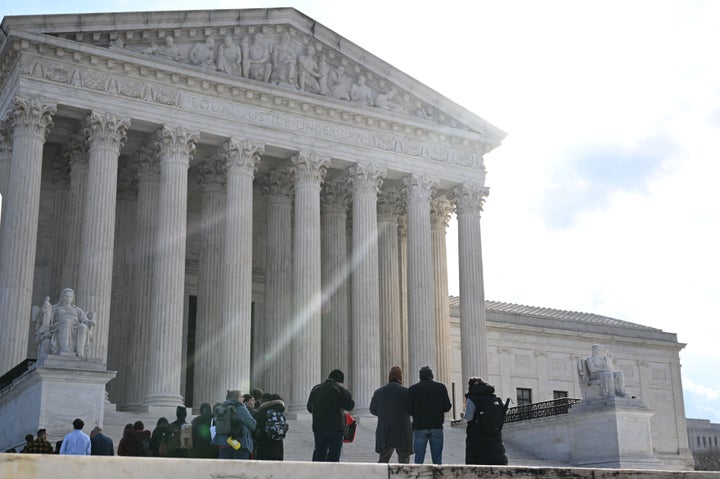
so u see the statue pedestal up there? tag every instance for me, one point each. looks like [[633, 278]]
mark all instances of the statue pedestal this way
[[612, 432], [51, 396]]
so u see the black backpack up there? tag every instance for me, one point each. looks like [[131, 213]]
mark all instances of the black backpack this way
[[492, 419]]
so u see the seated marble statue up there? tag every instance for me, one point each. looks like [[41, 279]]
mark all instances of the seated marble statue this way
[[68, 328], [599, 370]]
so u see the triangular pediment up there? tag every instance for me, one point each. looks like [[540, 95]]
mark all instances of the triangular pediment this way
[[278, 47]]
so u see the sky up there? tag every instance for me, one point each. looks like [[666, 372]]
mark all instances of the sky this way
[[601, 195]]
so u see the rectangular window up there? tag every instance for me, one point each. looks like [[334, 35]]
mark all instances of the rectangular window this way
[[524, 396], [560, 394], [704, 441]]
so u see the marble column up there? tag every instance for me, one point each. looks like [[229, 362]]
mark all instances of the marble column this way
[[469, 200], [391, 344], [365, 180], [76, 154], [210, 175], [5, 156], [277, 186], [402, 269], [60, 194], [420, 277], [234, 366], [165, 357], [148, 169], [121, 313], [30, 118], [106, 134], [335, 346], [309, 171], [440, 211]]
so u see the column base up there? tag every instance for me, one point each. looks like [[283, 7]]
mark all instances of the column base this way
[[162, 401]]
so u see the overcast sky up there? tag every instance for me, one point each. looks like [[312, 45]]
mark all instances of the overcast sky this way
[[603, 193]]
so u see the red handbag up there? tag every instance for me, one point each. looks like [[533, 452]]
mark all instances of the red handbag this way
[[350, 428]]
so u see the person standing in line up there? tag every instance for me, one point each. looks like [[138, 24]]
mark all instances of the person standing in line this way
[[428, 401], [202, 448], [327, 403], [76, 443], [485, 416], [243, 426], [393, 432], [100, 444], [39, 445]]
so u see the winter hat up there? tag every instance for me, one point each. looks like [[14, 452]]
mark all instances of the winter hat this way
[[396, 374], [337, 375], [181, 412], [426, 373]]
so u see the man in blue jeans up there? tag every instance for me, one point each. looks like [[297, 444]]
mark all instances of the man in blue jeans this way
[[427, 403], [327, 403]]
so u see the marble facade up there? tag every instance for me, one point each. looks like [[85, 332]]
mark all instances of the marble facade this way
[[241, 197]]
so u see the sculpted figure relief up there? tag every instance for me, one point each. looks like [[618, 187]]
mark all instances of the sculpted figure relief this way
[[230, 57], [361, 93], [202, 53], [168, 50], [600, 371], [256, 59], [63, 328], [284, 61], [339, 84], [309, 74]]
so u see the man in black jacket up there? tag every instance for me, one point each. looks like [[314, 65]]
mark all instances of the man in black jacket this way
[[428, 401], [327, 403], [393, 432]]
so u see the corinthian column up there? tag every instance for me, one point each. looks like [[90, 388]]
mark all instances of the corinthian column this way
[[402, 268], [309, 171], [440, 216], [30, 120], [420, 277], [165, 362], [391, 345], [335, 277], [5, 156], [106, 134], [76, 154], [148, 166], [469, 200], [365, 181], [277, 187], [234, 366], [209, 323]]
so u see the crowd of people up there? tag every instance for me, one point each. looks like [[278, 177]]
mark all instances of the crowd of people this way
[[253, 426]]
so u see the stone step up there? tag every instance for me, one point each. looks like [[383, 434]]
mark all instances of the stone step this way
[[299, 441]]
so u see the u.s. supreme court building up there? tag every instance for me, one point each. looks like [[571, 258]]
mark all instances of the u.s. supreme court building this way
[[245, 198]]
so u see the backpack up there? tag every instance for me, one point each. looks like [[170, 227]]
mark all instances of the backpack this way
[[145, 449], [492, 419], [173, 439], [275, 425], [186, 439], [225, 418]]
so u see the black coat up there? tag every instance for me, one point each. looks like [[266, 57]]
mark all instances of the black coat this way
[[327, 403], [427, 403], [268, 449], [481, 448], [389, 404], [201, 437], [101, 445]]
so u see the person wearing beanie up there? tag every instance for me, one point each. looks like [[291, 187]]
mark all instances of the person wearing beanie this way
[[393, 431], [327, 403], [427, 403], [174, 447]]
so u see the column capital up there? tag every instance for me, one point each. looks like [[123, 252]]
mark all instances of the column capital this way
[[106, 130], [366, 178], [402, 227], [5, 138], [334, 196], [176, 144], [469, 199], [277, 182], [60, 172], [240, 156], [75, 152], [147, 163], [309, 167], [210, 174], [127, 181], [391, 202], [32, 115], [419, 189], [440, 211]]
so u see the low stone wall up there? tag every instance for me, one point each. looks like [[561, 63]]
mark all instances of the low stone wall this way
[[33, 466]]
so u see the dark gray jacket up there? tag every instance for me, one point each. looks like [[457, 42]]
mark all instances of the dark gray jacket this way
[[393, 426]]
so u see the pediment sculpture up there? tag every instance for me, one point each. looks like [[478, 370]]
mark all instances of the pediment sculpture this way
[[62, 328], [598, 378]]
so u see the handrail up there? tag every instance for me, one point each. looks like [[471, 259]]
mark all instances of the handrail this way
[[540, 409]]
